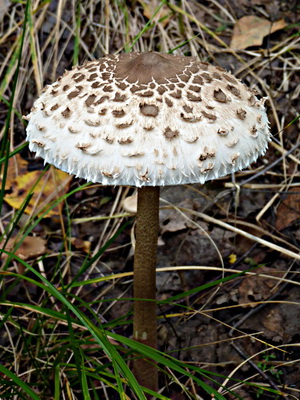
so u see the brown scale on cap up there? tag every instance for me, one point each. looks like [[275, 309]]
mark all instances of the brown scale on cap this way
[[103, 111], [209, 116], [203, 66], [208, 168], [234, 157], [230, 78], [101, 100], [170, 134], [184, 77], [234, 90], [90, 100], [149, 110], [122, 85], [66, 113], [109, 139], [120, 98], [105, 76], [171, 86], [206, 77], [198, 80], [253, 131], [92, 77], [73, 130], [135, 154], [89, 122], [161, 90], [40, 144], [241, 114], [190, 118], [135, 88], [176, 95], [108, 88], [127, 140], [124, 125], [252, 100], [147, 93], [192, 97], [207, 153], [169, 102], [73, 94], [96, 85], [145, 177], [117, 113], [216, 75], [83, 146], [193, 69], [220, 96], [187, 109], [194, 88], [107, 174], [54, 107], [223, 131], [79, 77]]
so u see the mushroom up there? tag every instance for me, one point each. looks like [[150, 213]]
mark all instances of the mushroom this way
[[148, 120]]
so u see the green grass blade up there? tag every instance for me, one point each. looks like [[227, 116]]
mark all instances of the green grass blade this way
[[19, 383], [77, 34], [57, 387], [14, 152]]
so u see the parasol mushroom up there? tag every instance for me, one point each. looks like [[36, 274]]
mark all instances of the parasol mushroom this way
[[148, 120]]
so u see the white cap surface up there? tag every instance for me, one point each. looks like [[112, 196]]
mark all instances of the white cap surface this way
[[148, 119]]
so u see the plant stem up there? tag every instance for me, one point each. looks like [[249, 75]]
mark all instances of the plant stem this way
[[144, 320]]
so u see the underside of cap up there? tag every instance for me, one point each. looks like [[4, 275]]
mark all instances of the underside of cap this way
[[148, 119]]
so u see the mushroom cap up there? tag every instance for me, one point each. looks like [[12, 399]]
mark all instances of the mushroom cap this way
[[148, 119]]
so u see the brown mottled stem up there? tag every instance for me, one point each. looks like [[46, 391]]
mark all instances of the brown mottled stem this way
[[144, 320]]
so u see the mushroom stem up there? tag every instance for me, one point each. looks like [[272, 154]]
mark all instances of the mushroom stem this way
[[144, 320]]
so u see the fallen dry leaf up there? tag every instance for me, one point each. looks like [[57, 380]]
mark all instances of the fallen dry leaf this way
[[250, 31], [54, 183], [274, 322], [172, 221], [31, 247], [289, 210], [150, 8], [80, 244], [258, 288]]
